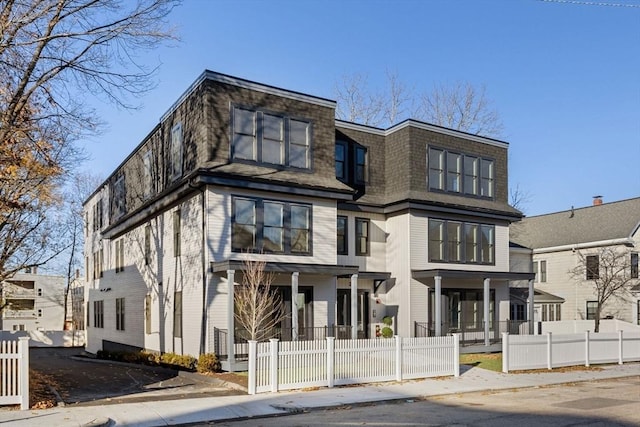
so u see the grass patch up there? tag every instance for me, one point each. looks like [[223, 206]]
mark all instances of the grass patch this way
[[490, 361]]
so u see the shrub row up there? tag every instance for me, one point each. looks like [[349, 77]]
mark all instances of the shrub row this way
[[205, 363]]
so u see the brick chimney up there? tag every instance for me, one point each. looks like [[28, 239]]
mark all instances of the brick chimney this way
[[597, 200]]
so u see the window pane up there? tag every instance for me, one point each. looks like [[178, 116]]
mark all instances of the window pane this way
[[543, 271], [244, 230], [340, 161], [634, 266], [244, 122], [272, 144], [593, 267], [342, 235], [362, 174], [436, 240], [273, 232], [300, 226], [362, 236], [244, 134], [298, 156], [487, 178], [471, 242], [272, 152], [298, 144], [436, 169], [454, 237], [471, 175], [486, 249], [454, 171]]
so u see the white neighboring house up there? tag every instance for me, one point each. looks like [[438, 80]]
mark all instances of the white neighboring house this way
[[75, 315], [557, 240], [35, 302]]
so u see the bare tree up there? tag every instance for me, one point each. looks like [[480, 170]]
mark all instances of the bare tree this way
[[459, 106], [519, 198], [259, 309], [609, 272], [52, 54]]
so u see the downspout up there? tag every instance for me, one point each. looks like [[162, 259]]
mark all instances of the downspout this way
[[203, 325]]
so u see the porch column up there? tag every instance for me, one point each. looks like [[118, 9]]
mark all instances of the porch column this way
[[487, 295], [231, 354], [354, 306], [530, 307], [294, 306], [438, 297]]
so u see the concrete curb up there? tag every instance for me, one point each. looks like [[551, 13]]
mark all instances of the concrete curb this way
[[99, 422]]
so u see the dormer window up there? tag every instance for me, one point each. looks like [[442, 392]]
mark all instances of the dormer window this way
[[176, 152], [453, 172], [351, 162], [271, 139]]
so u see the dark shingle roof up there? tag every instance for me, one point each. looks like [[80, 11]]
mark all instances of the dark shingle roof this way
[[613, 220]]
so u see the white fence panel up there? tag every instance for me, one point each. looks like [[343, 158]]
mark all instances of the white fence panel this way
[[568, 350], [302, 364], [603, 347], [362, 361], [631, 347], [14, 373], [432, 358], [278, 365], [527, 352]]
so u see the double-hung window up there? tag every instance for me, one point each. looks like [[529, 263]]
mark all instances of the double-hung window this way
[[361, 165], [147, 175], [270, 226], [593, 267], [634, 265], [461, 242], [119, 314], [460, 173], [592, 309], [97, 215], [177, 233], [271, 139], [362, 236], [176, 152], [147, 244], [341, 161], [342, 235], [118, 197], [98, 314]]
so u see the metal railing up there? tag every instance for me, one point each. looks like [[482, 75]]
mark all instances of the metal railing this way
[[473, 333]]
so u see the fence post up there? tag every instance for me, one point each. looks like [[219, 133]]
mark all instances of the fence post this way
[[505, 352], [586, 348], [620, 347], [398, 339], [331, 360], [253, 357], [549, 355], [273, 364], [23, 349], [456, 355]]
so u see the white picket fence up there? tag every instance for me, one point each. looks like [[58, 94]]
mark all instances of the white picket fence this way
[[556, 350], [14, 373], [276, 365]]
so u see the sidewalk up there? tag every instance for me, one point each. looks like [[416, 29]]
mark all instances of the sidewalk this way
[[184, 411]]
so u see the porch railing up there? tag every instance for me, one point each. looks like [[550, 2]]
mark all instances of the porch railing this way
[[472, 333], [241, 337]]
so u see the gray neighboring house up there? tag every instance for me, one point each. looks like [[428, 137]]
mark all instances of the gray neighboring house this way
[[556, 239], [35, 302]]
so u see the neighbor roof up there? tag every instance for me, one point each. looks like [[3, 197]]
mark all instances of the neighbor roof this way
[[615, 220]]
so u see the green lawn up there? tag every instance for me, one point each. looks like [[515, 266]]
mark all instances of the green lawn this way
[[490, 361]]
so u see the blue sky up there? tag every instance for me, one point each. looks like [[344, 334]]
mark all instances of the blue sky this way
[[564, 75]]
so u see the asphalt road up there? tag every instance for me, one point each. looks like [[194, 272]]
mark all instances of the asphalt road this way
[[608, 403], [91, 382]]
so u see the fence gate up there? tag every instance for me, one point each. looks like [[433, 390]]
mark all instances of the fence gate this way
[[14, 373]]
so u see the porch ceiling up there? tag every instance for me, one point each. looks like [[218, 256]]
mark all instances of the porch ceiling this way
[[287, 267], [466, 274]]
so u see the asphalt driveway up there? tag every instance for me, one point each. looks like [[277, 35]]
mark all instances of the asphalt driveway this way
[[84, 381]]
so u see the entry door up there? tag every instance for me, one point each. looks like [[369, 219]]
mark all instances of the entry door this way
[[344, 313]]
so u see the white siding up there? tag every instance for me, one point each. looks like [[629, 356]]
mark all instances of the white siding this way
[[398, 252], [376, 260]]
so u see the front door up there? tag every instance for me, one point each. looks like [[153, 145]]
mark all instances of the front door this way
[[344, 314]]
